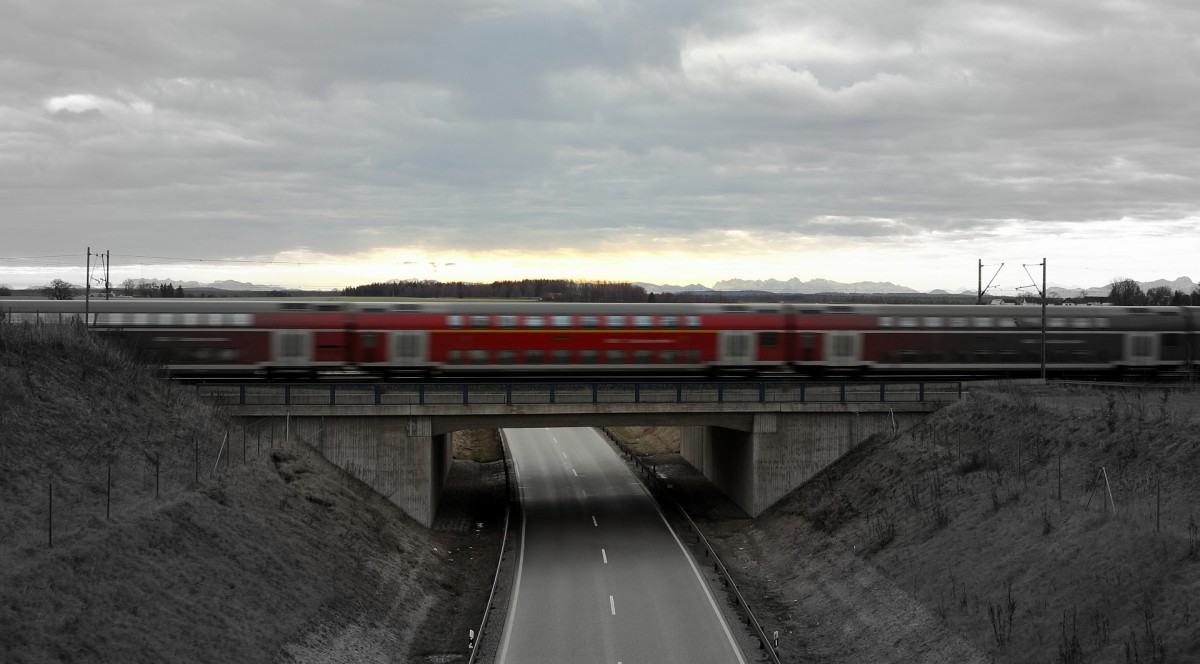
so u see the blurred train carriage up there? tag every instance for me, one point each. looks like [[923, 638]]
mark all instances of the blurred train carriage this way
[[248, 337]]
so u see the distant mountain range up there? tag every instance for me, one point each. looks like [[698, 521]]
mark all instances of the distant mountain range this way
[[817, 286], [793, 285]]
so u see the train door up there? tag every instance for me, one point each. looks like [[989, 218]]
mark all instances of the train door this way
[[843, 349], [737, 348], [409, 348], [291, 348], [1141, 349]]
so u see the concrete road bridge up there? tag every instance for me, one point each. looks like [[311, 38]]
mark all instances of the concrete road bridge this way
[[756, 441]]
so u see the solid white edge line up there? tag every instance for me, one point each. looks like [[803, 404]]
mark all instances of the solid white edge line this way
[[703, 584], [512, 605], [612, 605]]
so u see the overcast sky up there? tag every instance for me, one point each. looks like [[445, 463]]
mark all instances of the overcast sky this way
[[326, 143]]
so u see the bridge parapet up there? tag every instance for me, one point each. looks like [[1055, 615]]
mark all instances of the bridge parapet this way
[[435, 395]]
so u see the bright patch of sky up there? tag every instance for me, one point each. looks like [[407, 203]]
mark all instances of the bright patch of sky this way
[[325, 143]]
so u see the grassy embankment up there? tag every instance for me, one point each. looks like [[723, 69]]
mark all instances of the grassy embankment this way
[[138, 524]]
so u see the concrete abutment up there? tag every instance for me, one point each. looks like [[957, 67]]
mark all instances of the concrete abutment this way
[[399, 457], [757, 468]]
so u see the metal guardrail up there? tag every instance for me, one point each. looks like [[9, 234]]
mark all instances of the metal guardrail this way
[[514, 504], [649, 471], [463, 394]]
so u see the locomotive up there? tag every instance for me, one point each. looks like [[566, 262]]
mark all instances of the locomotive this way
[[235, 337]]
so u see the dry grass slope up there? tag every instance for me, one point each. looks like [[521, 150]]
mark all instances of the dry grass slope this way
[[250, 551], [993, 520]]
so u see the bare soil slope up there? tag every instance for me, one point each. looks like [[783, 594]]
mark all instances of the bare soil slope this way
[[251, 551]]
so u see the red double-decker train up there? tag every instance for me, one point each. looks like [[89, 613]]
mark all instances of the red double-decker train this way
[[231, 337]]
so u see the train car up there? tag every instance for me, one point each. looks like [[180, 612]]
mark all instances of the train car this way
[[558, 338], [1005, 340], [231, 337]]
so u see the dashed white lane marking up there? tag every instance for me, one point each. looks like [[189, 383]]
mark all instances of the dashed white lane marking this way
[[612, 606], [564, 455], [594, 522], [573, 472], [604, 555]]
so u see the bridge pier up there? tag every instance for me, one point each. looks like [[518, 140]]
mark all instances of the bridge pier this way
[[758, 467], [400, 457]]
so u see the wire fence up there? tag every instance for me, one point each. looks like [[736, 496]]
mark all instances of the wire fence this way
[[75, 493]]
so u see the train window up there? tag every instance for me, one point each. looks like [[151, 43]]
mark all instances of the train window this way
[[562, 321], [908, 356], [693, 356], [1056, 322], [693, 321], [1006, 322], [982, 321], [935, 356], [615, 356], [454, 321], [330, 307], [534, 321], [478, 356], [368, 340], [934, 321], [480, 321], [643, 321], [643, 356], [908, 321], [507, 322], [506, 357], [1101, 323], [958, 322], [562, 356], [615, 321], [668, 321], [668, 356], [887, 321], [587, 356], [768, 339], [1170, 340], [1083, 323], [1031, 322], [807, 339], [533, 357], [589, 322]]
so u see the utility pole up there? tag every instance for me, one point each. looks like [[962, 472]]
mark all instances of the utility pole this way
[[107, 284], [982, 290], [1043, 319], [87, 288]]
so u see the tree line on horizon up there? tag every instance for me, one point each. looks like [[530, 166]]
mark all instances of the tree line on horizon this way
[[1128, 293], [554, 290]]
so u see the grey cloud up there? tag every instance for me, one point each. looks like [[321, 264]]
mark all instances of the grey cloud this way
[[277, 125]]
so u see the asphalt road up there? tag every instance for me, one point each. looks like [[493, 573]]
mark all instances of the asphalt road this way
[[601, 578]]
